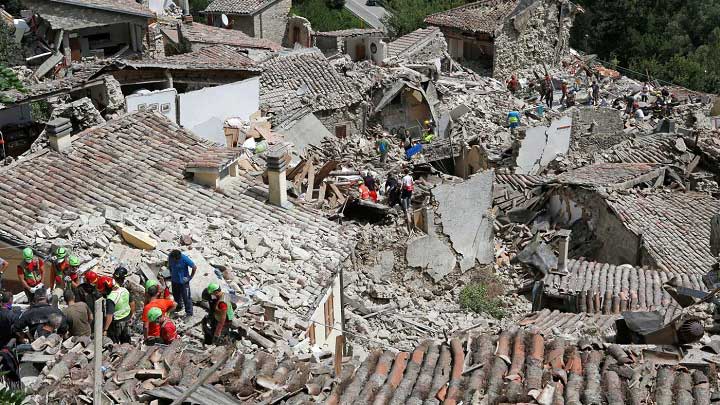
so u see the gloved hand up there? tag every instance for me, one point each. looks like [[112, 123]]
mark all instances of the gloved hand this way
[[67, 279]]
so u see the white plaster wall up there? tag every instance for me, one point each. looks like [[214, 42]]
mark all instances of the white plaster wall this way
[[323, 341], [204, 111], [564, 210], [166, 97]]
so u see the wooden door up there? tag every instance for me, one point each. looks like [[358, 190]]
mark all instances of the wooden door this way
[[296, 35], [360, 52], [75, 52]]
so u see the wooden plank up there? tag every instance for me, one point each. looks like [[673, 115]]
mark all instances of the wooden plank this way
[[299, 178], [339, 346], [321, 194], [311, 182], [325, 171], [296, 170], [338, 193]]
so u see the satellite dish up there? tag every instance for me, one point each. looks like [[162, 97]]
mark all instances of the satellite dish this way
[[225, 20]]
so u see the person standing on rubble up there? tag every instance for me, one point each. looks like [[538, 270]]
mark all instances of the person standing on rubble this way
[[392, 190], [513, 84], [41, 319], [513, 120], [595, 92], [166, 329], [3, 266], [8, 317], [119, 308], [180, 275], [221, 313], [163, 292], [383, 146], [645, 92], [407, 188], [363, 190], [30, 272], [564, 90]]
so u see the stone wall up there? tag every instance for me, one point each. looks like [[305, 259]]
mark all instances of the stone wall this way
[[242, 23], [304, 32], [270, 23], [352, 117], [534, 34]]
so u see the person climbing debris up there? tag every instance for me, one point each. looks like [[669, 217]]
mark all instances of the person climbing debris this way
[[41, 319], [513, 84], [383, 146], [165, 306], [407, 188], [87, 291], [363, 190], [119, 308], [513, 120]]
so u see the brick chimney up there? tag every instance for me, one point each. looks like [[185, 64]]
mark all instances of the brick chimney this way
[[58, 132], [276, 165], [563, 247]]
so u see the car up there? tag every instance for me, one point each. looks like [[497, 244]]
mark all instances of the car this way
[[371, 2]]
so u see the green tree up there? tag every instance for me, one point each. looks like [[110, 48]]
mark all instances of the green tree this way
[[10, 52], [8, 81], [406, 16], [324, 17]]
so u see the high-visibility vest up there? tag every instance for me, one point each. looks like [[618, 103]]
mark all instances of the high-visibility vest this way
[[514, 119], [31, 272], [121, 298], [230, 311]]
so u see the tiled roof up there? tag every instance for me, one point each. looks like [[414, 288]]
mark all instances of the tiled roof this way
[[516, 368], [289, 81], [675, 228], [352, 32], [206, 34], [215, 158], [120, 6], [136, 163], [236, 6], [612, 175], [568, 323], [515, 190], [410, 41], [215, 57], [610, 289], [480, 17], [655, 148]]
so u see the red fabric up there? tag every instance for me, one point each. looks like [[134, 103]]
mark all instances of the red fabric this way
[[164, 305], [222, 307], [91, 277], [104, 283], [168, 331], [35, 266], [364, 192], [61, 270], [373, 196]]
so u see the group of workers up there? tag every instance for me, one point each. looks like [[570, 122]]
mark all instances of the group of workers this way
[[80, 292]]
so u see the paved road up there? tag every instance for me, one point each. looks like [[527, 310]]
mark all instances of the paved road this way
[[370, 14]]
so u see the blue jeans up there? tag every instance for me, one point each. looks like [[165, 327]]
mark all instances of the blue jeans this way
[[181, 294]]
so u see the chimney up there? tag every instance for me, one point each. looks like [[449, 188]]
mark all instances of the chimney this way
[[58, 132], [214, 165], [564, 235], [276, 165]]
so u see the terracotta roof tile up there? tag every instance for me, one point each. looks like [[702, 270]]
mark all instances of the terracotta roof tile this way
[[514, 366], [198, 33], [216, 158], [409, 42], [675, 227], [570, 323], [215, 57], [121, 6], [608, 174], [289, 81], [236, 6], [480, 17], [352, 32]]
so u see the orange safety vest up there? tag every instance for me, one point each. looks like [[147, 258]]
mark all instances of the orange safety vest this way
[[364, 192]]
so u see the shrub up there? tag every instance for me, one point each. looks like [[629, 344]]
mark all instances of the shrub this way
[[478, 297], [324, 16]]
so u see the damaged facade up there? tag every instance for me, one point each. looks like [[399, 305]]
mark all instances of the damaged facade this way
[[260, 19]]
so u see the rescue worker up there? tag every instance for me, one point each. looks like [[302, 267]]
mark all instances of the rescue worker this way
[[383, 146], [392, 190], [30, 272], [41, 319], [119, 308], [87, 291], [429, 132], [363, 190], [407, 187], [513, 84], [163, 291], [220, 314], [165, 305], [167, 332], [182, 270], [59, 264], [564, 90]]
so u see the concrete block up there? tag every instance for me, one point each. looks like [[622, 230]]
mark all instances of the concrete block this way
[[138, 239]]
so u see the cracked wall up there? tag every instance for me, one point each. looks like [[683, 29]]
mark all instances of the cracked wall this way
[[535, 35]]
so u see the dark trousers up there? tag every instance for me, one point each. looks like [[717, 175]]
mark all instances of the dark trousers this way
[[119, 331], [181, 294]]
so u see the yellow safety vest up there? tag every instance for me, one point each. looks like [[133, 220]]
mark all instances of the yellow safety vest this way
[[121, 298]]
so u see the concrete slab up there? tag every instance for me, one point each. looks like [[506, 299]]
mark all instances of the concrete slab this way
[[205, 275], [385, 265], [432, 255], [463, 210], [542, 145]]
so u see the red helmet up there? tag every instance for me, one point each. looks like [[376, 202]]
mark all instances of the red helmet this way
[[91, 277], [105, 284]]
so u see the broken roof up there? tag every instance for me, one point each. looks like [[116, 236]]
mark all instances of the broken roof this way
[[655, 148], [239, 7], [548, 321], [136, 164], [611, 175], [197, 33], [411, 42], [117, 6], [304, 78], [611, 289], [215, 57], [215, 158], [483, 17], [674, 226], [83, 75], [514, 368], [352, 32]]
